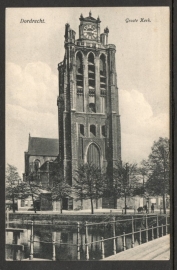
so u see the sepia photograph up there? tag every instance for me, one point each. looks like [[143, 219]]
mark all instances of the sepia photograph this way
[[88, 161]]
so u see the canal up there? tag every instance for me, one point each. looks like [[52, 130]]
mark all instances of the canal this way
[[66, 238]]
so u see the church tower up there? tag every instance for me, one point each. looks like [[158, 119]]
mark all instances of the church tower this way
[[88, 110]]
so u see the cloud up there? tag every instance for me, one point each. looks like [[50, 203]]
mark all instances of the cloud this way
[[19, 123], [34, 87], [31, 107], [140, 128], [31, 94]]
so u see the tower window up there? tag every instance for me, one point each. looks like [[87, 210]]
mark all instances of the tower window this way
[[79, 68], [92, 130], [92, 107], [91, 71], [103, 131], [82, 130]]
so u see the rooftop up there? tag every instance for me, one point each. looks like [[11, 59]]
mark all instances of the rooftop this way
[[43, 146]]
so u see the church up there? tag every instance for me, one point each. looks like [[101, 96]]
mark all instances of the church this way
[[88, 110]]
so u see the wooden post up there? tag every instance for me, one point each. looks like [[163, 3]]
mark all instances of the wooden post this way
[[86, 242], [166, 225], [135, 223], [114, 235], [133, 239], [124, 245], [7, 215], [54, 246], [152, 232], [31, 242], [102, 248], [78, 241], [15, 242], [146, 230], [157, 226], [140, 237], [162, 229]]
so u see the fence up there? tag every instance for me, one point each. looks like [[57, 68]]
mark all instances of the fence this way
[[150, 233]]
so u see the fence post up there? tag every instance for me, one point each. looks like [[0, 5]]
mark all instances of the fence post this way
[[157, 226], [140, 237], [31, 242], [114, 235], [166, 225], [86, 242], [54, 253], [133, 240], [7, 216], [78, 241], [15, 241], [102, 248], [162, 229], [146, 230], [124, 245], [152, 232]]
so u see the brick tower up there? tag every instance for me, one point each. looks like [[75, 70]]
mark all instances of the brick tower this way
[[88, 110]]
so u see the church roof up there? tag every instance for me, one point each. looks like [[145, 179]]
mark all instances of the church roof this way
[[43, 147]]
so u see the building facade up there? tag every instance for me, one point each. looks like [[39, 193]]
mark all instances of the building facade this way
[[39, 161], [88, 110]]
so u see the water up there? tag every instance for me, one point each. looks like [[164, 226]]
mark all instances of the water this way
[[66, 239]]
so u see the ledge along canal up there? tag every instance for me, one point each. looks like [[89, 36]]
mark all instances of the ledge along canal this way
[[71, 241]]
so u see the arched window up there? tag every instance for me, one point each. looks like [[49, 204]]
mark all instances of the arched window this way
[[92, 107], [103, 131], [79, 70], [82, 130], [93, 155], [102, 83], [91, 82], [91, 71], [79, 82], [36, 165], [92, 130], [103, 65]]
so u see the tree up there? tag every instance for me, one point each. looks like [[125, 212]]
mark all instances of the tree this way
[[159, 170], [60, 188], [125, 181], [89, 184], [34, 188], [15, 188]]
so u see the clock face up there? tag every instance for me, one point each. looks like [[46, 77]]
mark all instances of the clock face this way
[[89, 31]]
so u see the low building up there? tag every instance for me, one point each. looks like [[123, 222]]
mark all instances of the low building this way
[[39, 160]]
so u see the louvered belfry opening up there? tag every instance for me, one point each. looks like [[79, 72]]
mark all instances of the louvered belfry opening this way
[[93, 155], [91, 82], [79, 74], [102, 83], [79, 82]]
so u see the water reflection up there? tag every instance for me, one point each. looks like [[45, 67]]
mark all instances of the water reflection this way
[[65, 238]]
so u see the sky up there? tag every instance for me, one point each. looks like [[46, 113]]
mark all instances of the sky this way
[[33, 52]]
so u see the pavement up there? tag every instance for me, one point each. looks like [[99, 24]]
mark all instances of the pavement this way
[[158, 249], [88, 211]]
